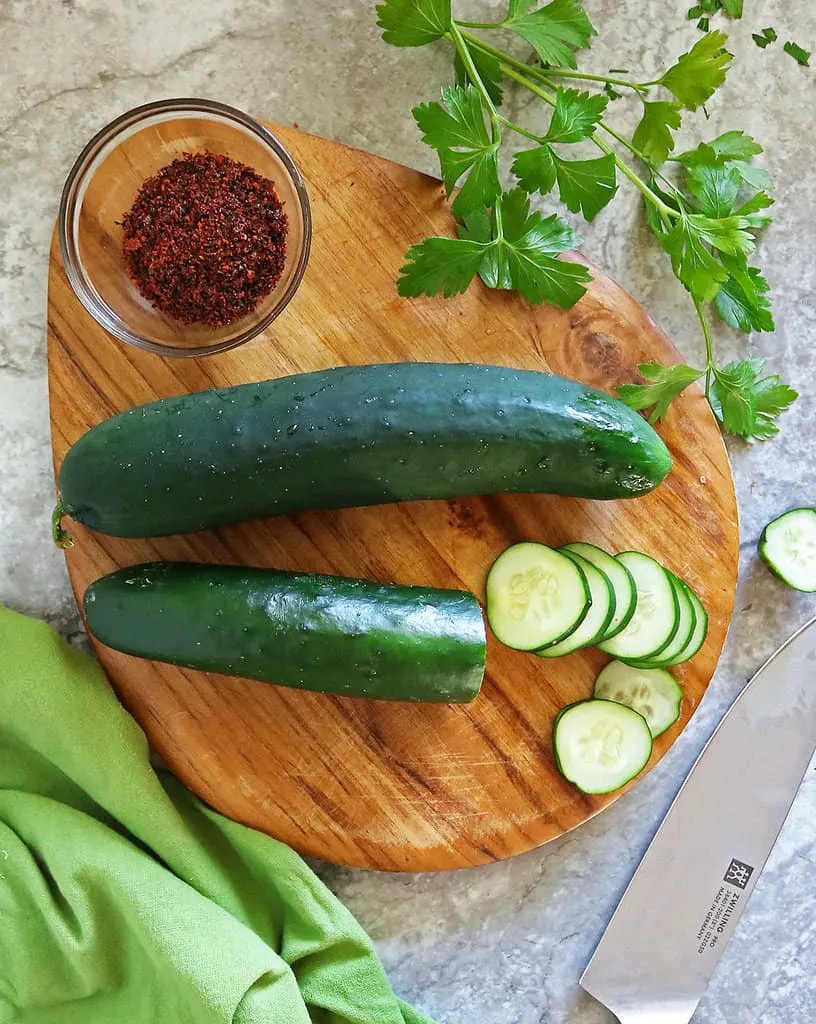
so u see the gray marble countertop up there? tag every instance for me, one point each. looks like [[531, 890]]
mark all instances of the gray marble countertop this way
[[503, 944]]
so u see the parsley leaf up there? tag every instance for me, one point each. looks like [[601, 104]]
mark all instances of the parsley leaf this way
[[457, 121], [481, 186], [734, 145], [750, 210], [699, 73], [731, 151], [575, 115], [413, 22], [489, 71], [742, 300], [457, 130], [756, 177], [800, 55], [586, 185], [714, 188], [540, 277], [746, 403], [732, 396], [653, 135], [732, 7], [772, 398], [693, 264], [446, 265], [535, 169], [728, 234], [517, 220], [666, 383], [523, 257], [553, 31], [761, 40]]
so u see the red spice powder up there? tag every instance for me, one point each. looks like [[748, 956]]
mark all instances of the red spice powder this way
[[205, 239]]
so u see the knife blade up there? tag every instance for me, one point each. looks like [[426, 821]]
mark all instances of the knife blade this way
[[660, 949]]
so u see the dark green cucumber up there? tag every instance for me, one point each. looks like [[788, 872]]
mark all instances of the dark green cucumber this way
[[354, 435], [327, 633]]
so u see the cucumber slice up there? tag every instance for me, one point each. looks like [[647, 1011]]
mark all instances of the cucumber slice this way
[[685, 628], [620, 579], [699, 634], [535, 596], [596, 620], [788, 545], [652, 692], [657, 614], [600, 745]]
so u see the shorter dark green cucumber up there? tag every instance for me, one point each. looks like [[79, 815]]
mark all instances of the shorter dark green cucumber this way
[[327, 633]]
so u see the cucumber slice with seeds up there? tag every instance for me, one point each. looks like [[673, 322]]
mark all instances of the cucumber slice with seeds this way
[[600, 745], [620, 579], [657, 613], [697, 637], [685, 628], [596, 620], [652, 692], [788, 546], [536, 596]]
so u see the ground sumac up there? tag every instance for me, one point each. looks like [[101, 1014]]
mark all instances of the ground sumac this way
[[205, 239]]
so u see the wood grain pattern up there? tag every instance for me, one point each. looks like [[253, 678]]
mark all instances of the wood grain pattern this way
[[379, 785]]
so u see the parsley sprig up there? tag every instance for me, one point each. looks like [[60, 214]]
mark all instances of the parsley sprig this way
[[705, 206]]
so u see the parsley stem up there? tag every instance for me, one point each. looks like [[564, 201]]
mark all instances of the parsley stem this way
[[656, 172], [624, 168], [505, 58], [478, 24], [708, 344], [521, 131], [476, 79], [584, 77], [546, 76], [650, 196], [536, 72], [624, 142], [534, 87], [497, 218]]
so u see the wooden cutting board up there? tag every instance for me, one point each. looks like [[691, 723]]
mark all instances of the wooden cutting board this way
[[378, 785]]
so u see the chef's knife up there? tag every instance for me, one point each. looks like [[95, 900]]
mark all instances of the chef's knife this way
[[660, 949]]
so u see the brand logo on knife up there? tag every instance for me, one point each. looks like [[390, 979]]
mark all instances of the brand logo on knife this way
[[738, 874]]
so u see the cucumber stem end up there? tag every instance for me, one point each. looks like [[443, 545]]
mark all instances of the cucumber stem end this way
[[62, 538]]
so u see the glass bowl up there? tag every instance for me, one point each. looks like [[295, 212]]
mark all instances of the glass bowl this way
[[102, 186]]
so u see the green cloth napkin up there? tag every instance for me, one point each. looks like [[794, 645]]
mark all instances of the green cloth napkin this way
[[125, 900]]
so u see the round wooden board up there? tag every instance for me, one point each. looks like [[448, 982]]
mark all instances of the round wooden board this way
[[373, 784]]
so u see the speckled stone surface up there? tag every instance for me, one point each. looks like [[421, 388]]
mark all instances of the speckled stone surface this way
[[503, 944]]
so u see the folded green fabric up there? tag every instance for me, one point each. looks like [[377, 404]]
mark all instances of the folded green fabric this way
[[125, 900]]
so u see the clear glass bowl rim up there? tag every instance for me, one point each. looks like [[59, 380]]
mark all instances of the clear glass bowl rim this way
[[124, 124]]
